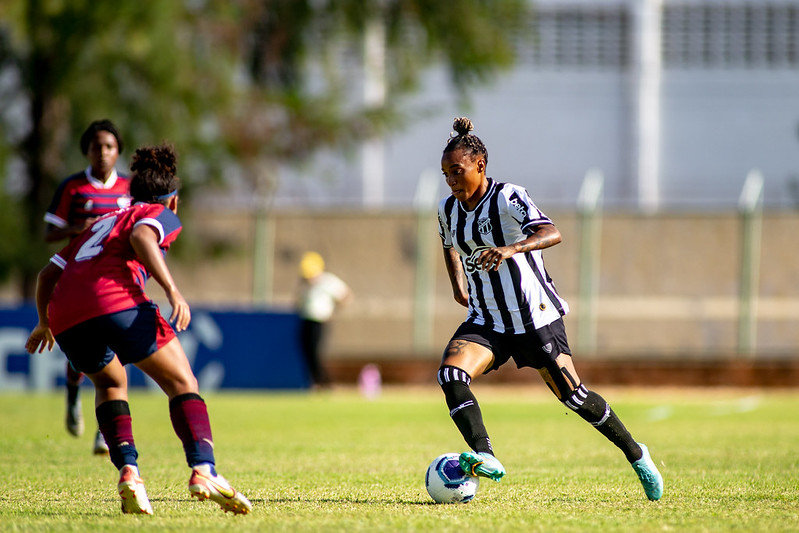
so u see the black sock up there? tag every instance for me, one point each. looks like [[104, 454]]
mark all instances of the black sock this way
[[72, 393], [597, 412], [463, 408]]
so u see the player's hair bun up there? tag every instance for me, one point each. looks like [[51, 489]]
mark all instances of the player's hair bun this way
[[154, 173], [159, 159], [462, 126]]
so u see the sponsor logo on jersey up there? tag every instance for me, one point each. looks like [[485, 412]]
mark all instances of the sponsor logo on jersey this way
[[472, 263], [123, 202], [484, 225], [519, 207]]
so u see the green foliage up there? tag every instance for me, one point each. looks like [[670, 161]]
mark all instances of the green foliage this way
[[337, 462], [11, 243], [249, 84]]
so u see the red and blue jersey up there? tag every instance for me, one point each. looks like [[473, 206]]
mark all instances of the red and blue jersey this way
[[102, 273], [82, 196]]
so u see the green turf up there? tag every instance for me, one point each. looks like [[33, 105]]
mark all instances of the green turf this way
[[336, 462]]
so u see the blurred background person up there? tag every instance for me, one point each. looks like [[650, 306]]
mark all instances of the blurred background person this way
[[320, 293], [78, 201]]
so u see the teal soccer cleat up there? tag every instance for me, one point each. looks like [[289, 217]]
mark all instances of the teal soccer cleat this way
[[649, 475], [481, 464]]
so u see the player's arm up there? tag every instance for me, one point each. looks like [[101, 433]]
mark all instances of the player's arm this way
[[543, 236], [41, 337], [144, 239], [53, 233], [452, 260]]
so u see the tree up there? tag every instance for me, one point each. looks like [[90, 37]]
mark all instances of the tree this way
[[247, 82]]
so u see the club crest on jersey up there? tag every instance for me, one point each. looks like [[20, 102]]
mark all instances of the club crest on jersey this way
[[472, 263], [547, 347], [88, 205], [519, 207], [484, 225]]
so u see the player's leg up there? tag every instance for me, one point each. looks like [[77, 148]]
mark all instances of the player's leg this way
[[462, 360], [114, 420], [311, 334], [74, 416], [170, 369], [562, 378]]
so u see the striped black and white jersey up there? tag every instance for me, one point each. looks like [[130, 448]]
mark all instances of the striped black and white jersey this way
[[520, 295]]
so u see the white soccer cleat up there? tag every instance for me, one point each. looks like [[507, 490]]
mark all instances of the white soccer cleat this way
[[206, 484], [74, 418], [131, 490], [100, 446]]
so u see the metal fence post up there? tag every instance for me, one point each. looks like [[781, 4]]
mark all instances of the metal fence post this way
[[590, 222], [750, 206], [263, 254], [424, 202]]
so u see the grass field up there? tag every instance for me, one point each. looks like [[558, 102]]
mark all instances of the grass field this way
[[333, 461]]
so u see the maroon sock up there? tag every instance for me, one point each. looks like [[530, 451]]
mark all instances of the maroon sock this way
[[116, 426], [190, 420]]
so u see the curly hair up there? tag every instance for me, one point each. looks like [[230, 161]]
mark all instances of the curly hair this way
[[154, 174], [91, 131], [465, 141]]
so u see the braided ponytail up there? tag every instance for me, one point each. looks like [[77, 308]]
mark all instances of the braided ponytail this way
[[462, 139]]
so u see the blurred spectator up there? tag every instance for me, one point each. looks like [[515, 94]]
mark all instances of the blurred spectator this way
[[320, 293]]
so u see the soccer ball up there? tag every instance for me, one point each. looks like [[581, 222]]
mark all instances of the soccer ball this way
[[446, 482]]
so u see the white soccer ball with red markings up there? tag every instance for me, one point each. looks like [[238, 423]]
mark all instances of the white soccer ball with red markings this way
[[446, 481]]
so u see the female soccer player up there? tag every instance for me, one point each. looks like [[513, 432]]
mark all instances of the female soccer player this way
[[78, 201], [493, 236], [90, 299]]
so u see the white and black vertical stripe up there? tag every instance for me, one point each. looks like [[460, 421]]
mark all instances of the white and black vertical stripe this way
[[519, 296]]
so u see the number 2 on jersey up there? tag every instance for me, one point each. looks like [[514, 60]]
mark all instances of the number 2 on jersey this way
[[94, 245]]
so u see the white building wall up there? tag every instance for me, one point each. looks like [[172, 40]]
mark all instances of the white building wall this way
[[730, 102]]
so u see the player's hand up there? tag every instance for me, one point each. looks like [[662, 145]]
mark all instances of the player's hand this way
[[89, 221], [181, 313], [40, 338], [491, 259]]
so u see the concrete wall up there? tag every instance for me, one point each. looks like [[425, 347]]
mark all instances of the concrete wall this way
[[668, 284]]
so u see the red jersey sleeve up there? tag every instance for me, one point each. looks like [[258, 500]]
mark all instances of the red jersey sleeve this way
[[59, 212]]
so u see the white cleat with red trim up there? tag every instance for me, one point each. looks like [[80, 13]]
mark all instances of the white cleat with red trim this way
[[206, 484], [131, 490]]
